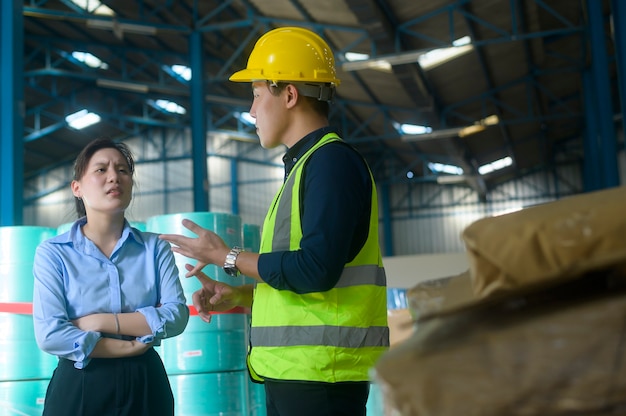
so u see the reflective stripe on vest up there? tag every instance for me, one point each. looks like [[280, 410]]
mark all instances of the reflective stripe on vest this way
[[329, 336]]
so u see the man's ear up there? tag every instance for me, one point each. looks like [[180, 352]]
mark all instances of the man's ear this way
[[291, 95]]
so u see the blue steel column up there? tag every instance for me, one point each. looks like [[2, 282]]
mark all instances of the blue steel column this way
[[600, 73], [198, 126], [11, 112], [591, 157], [234, 187], [619, 27]]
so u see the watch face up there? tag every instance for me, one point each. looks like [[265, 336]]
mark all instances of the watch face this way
[[231, 271]]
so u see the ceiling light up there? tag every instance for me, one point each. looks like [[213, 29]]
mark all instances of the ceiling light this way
[[377, 64], [435, 134], [491, 120], [427, 58], [413, 129], [451, 179], [122, 85], [495, 165], [469, 130], [81, 119], [383, 61], [120, 28], [356, 56], [477, 127]]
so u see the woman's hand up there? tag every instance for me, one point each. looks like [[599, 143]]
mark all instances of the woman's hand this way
[[138, 348]]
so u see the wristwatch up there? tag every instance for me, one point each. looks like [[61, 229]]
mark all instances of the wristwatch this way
[[229, 264]]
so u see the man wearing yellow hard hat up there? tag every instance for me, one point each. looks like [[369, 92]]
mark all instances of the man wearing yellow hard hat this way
[[319, 316]]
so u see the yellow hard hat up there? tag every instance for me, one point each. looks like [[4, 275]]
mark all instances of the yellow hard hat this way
[[289, 54]]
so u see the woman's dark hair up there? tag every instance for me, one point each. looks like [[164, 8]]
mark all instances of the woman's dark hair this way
[[83, 158]]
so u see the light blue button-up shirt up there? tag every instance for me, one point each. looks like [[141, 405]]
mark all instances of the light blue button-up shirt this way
[[74, 279]]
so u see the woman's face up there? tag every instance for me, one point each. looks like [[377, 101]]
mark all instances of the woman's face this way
[[107, 184]]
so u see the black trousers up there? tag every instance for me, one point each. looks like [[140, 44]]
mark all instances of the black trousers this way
[[136, 386], [286, 398]]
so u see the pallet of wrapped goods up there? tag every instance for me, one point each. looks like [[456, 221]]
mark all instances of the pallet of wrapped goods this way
[[555, 349]]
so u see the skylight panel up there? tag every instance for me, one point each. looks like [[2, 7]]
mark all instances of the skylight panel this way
[[439, 56], [443, 168], [82, 119], [94, 6], [90, 60], [183, 71], [246, 118], [170, 107]]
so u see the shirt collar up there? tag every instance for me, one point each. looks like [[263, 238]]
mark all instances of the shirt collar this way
[[75, 236], [295, 152]]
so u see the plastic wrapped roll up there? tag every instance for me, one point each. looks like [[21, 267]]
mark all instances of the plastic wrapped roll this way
[[211, 394], [22, 397], [140, 225], [207, 347], [20, 357]]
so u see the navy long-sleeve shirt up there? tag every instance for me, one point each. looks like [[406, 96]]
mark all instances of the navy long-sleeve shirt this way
[[336, 205]]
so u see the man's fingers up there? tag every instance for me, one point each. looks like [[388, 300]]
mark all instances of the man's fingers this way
[[196, 271], [175, 239], [192, 226]]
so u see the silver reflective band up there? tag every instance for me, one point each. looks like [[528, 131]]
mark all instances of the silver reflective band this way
[[322, 335]]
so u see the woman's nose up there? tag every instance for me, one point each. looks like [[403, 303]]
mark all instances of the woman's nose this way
[[113, 176]]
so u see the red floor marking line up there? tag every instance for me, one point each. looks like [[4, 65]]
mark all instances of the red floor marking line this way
[[26, 308]]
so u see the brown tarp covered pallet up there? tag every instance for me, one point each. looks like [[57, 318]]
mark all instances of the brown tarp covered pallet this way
[[560, 351]]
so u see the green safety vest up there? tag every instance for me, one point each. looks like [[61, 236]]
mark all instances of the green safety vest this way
[[330, 336]]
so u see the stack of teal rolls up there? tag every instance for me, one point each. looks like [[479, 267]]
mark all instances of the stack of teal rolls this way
[[24, 369], [256, 391], [206, 364]]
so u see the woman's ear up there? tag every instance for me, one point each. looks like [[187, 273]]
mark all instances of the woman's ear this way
[[76, 189]]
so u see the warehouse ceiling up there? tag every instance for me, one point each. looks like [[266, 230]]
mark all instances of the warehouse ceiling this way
[[518, 85]]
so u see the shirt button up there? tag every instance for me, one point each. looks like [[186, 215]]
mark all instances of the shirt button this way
[[295, 159]]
